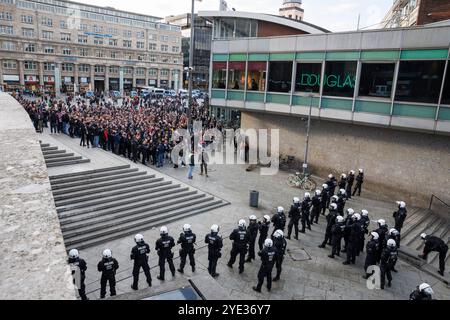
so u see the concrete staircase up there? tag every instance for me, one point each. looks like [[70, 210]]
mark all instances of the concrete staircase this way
[[56, 158], [105, 204], [424, 221]]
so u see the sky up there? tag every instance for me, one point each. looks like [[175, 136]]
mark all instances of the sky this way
[[334, 15]]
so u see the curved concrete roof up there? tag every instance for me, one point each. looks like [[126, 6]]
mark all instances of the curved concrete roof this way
[[300, 25]]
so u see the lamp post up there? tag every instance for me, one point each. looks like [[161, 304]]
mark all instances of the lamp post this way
[[191, 64], [305, 164]]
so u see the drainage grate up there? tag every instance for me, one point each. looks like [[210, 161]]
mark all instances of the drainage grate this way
[[299, 254]]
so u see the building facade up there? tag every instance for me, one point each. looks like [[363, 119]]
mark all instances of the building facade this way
[[50, 44], [379, 100], [292, 9]]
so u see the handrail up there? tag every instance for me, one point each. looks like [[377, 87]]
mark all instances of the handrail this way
[[431, 202]]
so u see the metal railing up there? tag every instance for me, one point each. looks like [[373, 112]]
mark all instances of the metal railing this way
[[440, 200]]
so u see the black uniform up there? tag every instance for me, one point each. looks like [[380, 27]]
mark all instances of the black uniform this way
[[382, 232], [371, 254], [139, 254], [359, 182], [342, 183], [316, 208], [279, 222], [325, 200], [240, 238], [306, 208], [280, 245], [263, 232], [331, 220], [387, 263], [215, 244], [348, 189], [433, 243], [268, 259], [419, 295], [400, 216], [337, 232], [365, 222], [355, 231], [253, 234], [332, 184], [294, 215], [81, 264], [164, 247], [187, 240], [108, 267], [341, 204]]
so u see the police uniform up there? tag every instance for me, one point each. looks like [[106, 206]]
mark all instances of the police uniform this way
[[215, 245], [164, 247], [187, 240], [268, 259], [108, 268], [294, 215], [81, 264], [279, 222], [280, 245], [240, 239], [388, 259], [263, 232], [139, 254], [253, 234]]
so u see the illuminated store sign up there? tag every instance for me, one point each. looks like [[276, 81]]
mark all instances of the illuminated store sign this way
[[331, 80]]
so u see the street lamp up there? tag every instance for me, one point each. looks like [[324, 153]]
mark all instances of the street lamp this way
[[305, 164], [191, 62]]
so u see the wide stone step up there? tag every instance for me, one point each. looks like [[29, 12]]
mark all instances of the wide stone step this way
[[49, 148], [92, 176], [147, 222], [66, 158], [97, 199], [88, 182], [417, 229], [436, 229], [70, 211], [107, 218], [83, 173], [58, 155], [67, 163], [414, 222], [73, 198], [46, 153], [117, 183], [155, 222], [43, 145]]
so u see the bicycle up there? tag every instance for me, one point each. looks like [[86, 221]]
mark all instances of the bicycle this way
[[303, 181]]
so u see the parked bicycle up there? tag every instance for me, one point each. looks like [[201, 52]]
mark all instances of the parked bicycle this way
[[303, 181]]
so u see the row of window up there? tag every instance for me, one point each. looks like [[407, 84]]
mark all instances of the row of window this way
[[417, 81], [68, 67]]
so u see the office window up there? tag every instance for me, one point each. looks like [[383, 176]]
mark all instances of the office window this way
[[30, 65], [242, 28], [113, 42], [67, 67], [84, 52], [175, 39], [419, 81], [152, 58], [128, 70], [63, 24], [164, 72], [219, 75], [164, 48], [376, 79], [127, 33], [49, 50], [47, 35], [175, 49], [98, 41], [84, 68], [48, 22], [256, 76], [153, 37], [280, 76], [99, 69], [28, 33], [236, 75], [9, 46], [65, 37], [163, 38], [307, 78], [114, 55], [127, 43], [153, 72], [9, 64], [27, 19], [82, 39], [175, 60], [6, 30], [83, 27], [97, 29], [66, 51], [99, 54], [128, 56], [30, 47], [340, 77], [140, 45], [5, 16], [48, 66], [141, 57], [140, 71], [152, 46], [113, 69], [140, 34]]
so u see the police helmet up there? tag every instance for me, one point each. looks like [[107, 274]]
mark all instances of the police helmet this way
[[364, 212], [381, 222], [278, 234], [375, 235], [107, 253], [361, 170], [252, 218], [333, 206], [401, 204], [214, 228], [138, 238], [296, 200], [350, 211], [187, 227], [393, 231], [357, 216], [73, 253], [423, 236], [163, 230], [343, 175], [352, 171], [266, 218], [242, 223], [342, 191], [426, 288], [280, 209], [330, 176], [335, 198], [391, 243], [318, 192], [307, 195], [340, 219], [268, 243], [325, 186]]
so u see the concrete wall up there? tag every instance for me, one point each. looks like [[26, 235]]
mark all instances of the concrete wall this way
[[399, 165], [32, 252]]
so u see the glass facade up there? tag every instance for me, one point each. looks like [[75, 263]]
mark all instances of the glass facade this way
[[280, 76], [446, 93], [376, 79], [340, 78], [219, 75], [228, 28], [256, 76], [420, 81], [236, 75], [308, 77]]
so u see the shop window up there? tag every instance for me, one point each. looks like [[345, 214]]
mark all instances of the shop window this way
[[307, 78], [446, 93], [280, 76], [340, 77], [376, 79], [256, 76], [236, 75], [219, 75]]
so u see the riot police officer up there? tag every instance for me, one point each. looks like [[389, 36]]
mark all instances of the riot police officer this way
[[365, 222], [263, 231], [76, 262], [341, 202], [353, 244], [108, 267], [240, 239], [187, 239], [215, 245], [359, 182], [342, 183], [422, 292], [253, 234], [325, 197], [139, 253], [331, 220], [294, 215], [382, 232], [433, 243], [306, 209], [268, 258], [279, 220], [164, 247], [348, 221], [400, 216], [316, 207], [337, 232], [350, 181], [280, 244], [371, 253], [388, 259], [332, 184]]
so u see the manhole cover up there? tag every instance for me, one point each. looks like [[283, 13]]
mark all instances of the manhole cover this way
[[298, 254]]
